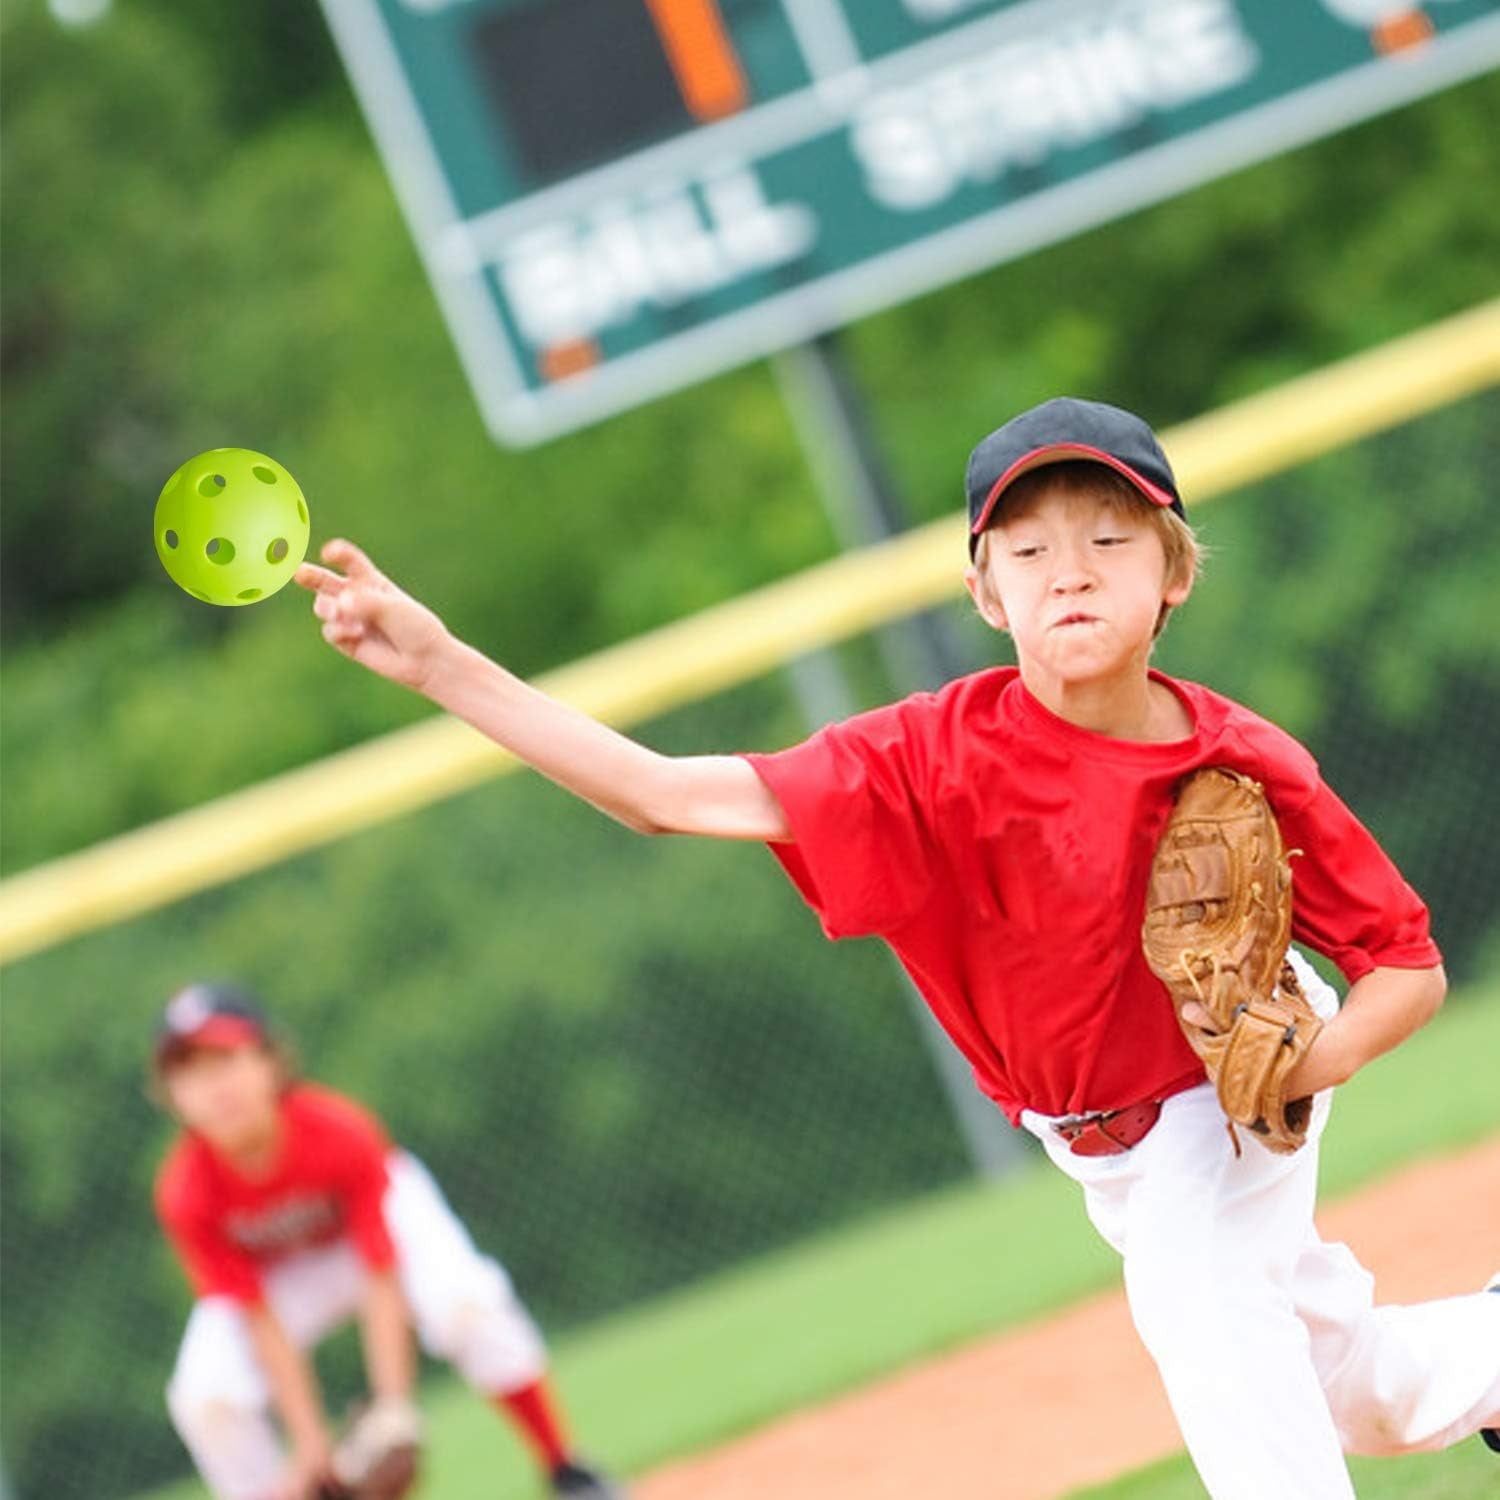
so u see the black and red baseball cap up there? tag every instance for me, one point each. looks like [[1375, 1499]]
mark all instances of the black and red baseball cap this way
[[1056, 431], [207, 1013]]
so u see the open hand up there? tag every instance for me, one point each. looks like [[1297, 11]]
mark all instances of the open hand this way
[[370, 619]]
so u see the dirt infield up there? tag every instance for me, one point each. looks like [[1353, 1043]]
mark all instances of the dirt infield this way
[[1074, 1400]]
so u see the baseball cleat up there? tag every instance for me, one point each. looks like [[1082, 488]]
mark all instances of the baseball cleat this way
[[578, 1482]]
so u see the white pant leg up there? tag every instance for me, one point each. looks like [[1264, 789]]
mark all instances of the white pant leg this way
[[466, 1309], [1273, 1358], [220, 1405], [218, 1398], [1210, 1242], [1400, 1379]]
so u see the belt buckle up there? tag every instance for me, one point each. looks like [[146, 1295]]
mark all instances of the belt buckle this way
[[1069, 1126], [1075, 1130], [1090, 1134]]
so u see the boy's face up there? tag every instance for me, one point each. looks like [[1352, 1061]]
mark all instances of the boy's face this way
[[228, 1095], [1078, 582]]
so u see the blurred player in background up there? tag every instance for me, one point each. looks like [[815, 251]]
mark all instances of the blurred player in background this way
[[292, 1213]]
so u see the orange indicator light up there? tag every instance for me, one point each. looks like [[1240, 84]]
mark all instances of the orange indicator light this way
[[1409, 29], [573, 357], [701, 56]]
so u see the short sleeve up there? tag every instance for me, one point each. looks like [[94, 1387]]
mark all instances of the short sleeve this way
[[1350, 901], [214, 1266], [360, 1149], [860, 851]]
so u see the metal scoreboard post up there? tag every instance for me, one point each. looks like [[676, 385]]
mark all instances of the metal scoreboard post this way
[[615, 198]]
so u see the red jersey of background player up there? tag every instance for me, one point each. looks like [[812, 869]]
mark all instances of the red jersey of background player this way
[[327, 1183], [1003, 854]]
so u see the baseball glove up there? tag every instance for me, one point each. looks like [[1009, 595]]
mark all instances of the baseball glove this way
[[1218, 920], [378, 1456]]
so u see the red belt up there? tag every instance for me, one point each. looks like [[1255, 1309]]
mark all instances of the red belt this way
[[1108, 1132]]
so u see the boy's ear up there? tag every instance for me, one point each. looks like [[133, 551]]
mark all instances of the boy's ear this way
[[985, 602], [1177, 591]]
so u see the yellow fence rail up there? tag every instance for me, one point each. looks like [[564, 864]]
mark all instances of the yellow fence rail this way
[[708, 652]]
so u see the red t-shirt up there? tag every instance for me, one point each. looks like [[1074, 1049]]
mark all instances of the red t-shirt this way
[[327, 1184], [1003, 854]]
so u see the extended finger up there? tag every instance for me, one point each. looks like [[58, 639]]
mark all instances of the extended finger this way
[[342, 553], [356, 604], [317, 579], [340, 633]]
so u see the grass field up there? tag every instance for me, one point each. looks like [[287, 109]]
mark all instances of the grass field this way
[[693, 1369]]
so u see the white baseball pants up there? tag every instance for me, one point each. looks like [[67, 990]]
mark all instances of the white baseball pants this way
[[1275, 1360], [464, 1307]]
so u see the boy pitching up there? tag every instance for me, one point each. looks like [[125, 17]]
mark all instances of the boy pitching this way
[[292, 1213], [998, 835]]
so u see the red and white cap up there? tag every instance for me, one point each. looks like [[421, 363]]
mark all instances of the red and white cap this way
[[209, 1014]]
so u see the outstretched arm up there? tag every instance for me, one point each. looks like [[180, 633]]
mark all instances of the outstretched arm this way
[[372, 621]]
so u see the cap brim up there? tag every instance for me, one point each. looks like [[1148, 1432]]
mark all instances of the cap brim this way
[[225, 1032], [1057, 453]]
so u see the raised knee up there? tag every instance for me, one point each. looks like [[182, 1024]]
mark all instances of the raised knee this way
[[459, 1322], [205, 1418]]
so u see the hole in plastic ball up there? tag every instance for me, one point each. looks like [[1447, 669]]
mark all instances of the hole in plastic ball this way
[[170, 538], [248, 594], [263, 474], [210, 485], [302, 512], [220, 551], [199, 594], [277, 550]]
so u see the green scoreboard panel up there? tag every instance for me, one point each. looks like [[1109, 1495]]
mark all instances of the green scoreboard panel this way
[[615, 198]]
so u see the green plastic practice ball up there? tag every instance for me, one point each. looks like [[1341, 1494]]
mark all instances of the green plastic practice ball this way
[[231, 526]]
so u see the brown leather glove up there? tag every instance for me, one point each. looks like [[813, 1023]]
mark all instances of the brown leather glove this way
[[1218, 920], [378, 1455]]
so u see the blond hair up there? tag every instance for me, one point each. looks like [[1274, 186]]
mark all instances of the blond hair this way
[[1080, 476]]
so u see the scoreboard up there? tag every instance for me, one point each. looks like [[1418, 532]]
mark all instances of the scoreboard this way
[[615, 198]]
